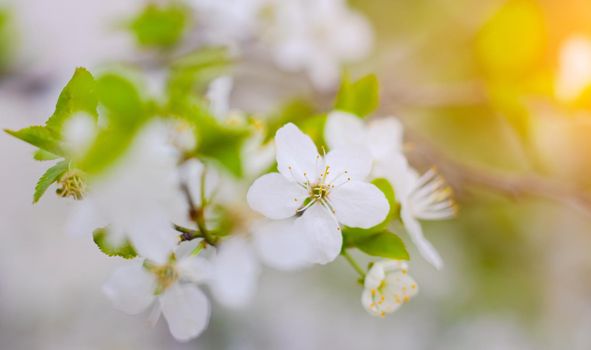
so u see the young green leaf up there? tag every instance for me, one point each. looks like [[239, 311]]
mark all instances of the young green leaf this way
[[383, 244], [79, 95], [361, 97], [42, 155], [126, 114], [388, 191], [220, 142], [195, 71], [101, 239], [52, 175], [41, 137], [160, 26]]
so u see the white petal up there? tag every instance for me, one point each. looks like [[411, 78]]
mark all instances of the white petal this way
[[191, 173], [397, 171], [359, 204], [280, 246], [236, 273], [84, 219], [186, 310], [275, 197], [219, 96], [297, 156], [194, 268], [413, 227], [347, 163], [153, 237], [321, 231], [344, 130], [79, 132], [131, 288], [385, 137]]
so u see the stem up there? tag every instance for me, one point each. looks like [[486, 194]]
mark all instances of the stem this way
[[187, 234], [197, 215], [353, 263]]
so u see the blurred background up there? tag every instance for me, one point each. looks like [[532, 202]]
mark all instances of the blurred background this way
[[496, 94]]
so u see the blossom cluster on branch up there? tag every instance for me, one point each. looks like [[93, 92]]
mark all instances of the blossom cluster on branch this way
[[194, 192]]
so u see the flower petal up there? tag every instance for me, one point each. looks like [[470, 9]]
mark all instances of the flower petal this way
[[186, 309], [153, 237], [347, 163], [297, 156], [344, 130], [218, 95], [359, 204], [236, 273], [194, 268], [426, 249], [275, 197], [191, 173], [131, 288], [280, 246], [319, 229], [384, 137]]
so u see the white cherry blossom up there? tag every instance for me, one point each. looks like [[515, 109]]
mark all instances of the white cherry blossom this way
[[420, 197], [138, 198], [314, 194], [387, 286], [227, 22], [425, 197], [169, 287], [317, 37], [381, 137], [235, 272]]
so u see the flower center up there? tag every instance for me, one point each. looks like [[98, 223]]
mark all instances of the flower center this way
[[166, 275], [319, 191], [72, 184]]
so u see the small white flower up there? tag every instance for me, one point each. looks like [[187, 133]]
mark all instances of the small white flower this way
[[387, 286], [318, 37], [421, 197], [317, 193], [135, 287], [138, 198], [227, 22], [380, 137], [425, 197], [235, 272]]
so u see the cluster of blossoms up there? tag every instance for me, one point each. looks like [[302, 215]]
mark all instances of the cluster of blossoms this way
[[179, 185], [183, 221], [312, 36]]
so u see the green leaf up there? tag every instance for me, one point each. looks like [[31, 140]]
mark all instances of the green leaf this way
[[361, 97], [39, 136], [121, 99], [160, 26], [52, 175], [196, 70], [125, 250], [385, 245], [125, 113], [42, 155], [352, 235], [220, 142], [388, 191], [294, 111], [79, 95]]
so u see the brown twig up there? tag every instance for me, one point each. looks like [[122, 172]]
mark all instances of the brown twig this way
[[460, 175]]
